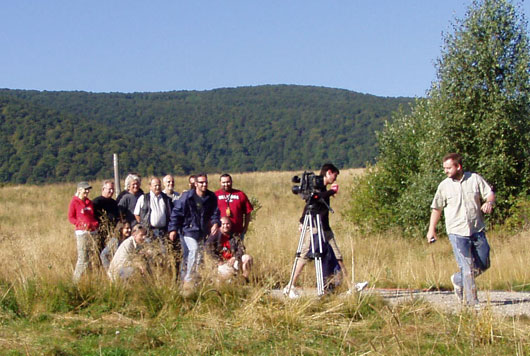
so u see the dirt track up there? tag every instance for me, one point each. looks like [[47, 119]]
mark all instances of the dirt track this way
[[499, 302]]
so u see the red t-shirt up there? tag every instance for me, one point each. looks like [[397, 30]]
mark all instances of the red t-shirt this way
[[235, 205], [225, 244]]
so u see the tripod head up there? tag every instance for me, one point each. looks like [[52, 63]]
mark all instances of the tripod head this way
[[312, 202]]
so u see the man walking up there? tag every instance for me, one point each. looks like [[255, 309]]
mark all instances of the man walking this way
[[464, 198], [195, 216], [234, 204]]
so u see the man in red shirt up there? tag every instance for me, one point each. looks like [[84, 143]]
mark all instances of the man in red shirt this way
[[229, 252], [233, 203]]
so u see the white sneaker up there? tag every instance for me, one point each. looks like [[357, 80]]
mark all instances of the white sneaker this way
[[457, 289], [293, 294], [360, 286]]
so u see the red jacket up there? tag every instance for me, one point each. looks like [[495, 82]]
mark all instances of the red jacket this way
[[81, 214]]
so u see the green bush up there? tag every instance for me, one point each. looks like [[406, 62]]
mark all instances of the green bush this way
[[519, 218], [479, 107]]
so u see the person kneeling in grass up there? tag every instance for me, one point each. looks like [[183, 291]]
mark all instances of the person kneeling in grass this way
[[228, 250], [122, 232], [123, 264]]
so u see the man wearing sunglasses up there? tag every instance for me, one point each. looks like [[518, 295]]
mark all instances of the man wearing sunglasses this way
[[195, 216]]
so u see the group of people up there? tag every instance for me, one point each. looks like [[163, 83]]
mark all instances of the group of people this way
[[182, 226], [200, 218]]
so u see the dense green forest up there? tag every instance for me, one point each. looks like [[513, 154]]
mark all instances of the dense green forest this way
[[67, 136]]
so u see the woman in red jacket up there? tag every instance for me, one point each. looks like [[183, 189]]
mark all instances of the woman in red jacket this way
[[81, 215]]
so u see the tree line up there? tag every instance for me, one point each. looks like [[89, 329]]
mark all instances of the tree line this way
[[67, 136]]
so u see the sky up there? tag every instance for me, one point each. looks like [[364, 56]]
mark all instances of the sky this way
[[379, 47]]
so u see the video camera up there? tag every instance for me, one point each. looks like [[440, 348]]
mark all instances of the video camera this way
[[310, 185]]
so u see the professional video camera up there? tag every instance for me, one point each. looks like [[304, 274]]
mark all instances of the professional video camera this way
[[310, 186]]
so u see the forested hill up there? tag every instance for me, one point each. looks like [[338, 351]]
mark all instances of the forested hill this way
[[67, 136]]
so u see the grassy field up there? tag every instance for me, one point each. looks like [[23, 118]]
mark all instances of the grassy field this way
[[43, 312]]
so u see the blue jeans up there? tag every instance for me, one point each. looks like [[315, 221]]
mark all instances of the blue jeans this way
[[194, 257], [472, 254]]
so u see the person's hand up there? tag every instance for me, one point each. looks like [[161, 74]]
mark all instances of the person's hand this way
[[431, 237], [172, 235], [487, 207], [300, 226], [231, 261], [214, 229], [335, 187]]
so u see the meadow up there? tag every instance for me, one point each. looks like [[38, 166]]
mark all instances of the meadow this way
[[43, 313]]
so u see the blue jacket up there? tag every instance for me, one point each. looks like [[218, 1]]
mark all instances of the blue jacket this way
[[188, 220]]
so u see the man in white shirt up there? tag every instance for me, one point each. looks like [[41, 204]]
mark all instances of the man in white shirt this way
[[464, 198], [154, 209]]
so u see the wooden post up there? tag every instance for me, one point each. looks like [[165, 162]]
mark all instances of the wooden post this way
[[117, 187]]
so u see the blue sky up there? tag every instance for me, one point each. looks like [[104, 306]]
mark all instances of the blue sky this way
[[380, 47]]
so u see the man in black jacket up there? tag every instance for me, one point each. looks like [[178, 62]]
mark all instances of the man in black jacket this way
[[194, 216], [329, 173]]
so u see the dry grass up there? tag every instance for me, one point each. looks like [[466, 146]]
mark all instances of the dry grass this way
[[36, 239], [37, 257]]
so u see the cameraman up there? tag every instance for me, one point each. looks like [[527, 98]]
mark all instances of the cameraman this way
[[329, 172]]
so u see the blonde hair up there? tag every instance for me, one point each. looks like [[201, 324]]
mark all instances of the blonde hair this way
[[79, 192], [139, 228]]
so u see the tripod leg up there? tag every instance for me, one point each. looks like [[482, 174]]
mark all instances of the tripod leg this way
[[318, 258], [289, 286]]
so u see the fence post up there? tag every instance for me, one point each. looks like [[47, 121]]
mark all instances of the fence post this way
[[117, 187]]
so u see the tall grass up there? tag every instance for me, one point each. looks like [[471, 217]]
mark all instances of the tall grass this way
[[37, 258]]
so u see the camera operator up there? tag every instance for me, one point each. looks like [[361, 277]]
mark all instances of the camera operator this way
[[329, 173]]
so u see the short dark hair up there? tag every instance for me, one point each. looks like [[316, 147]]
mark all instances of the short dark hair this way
[[328, 167], [201, 175], [225, 175], [456, 157]]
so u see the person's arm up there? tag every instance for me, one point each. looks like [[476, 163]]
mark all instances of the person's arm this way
[[435, 217], [246, 222], [487, 207], [215, 220], [328, 193], [139, 205], [72, 217], [176, 219]]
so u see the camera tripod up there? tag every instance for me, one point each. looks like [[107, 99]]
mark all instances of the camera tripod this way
[[311, 220]]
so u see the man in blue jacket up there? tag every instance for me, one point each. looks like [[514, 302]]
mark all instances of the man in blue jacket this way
[[195, 216]]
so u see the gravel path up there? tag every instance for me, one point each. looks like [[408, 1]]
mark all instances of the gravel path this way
[[499, 302]]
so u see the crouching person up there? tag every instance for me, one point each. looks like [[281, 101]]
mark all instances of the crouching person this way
[[228, 251], [126, 260]]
